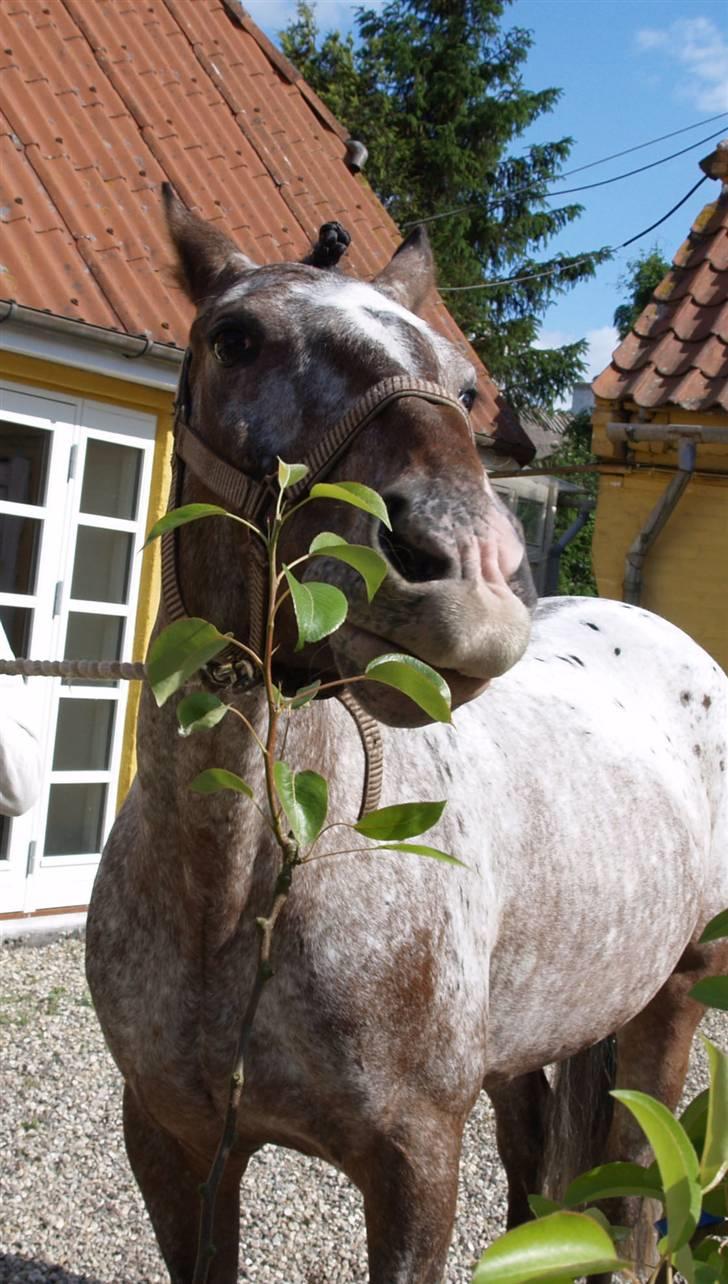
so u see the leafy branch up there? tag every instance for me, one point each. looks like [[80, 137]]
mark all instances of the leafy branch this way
[[295, 805]]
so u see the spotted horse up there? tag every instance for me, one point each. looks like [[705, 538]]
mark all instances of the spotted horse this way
[[586, 787]]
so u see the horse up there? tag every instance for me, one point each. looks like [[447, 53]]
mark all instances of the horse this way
[[584, 773]]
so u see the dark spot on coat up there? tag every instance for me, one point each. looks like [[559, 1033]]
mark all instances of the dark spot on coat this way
[[697, 750], [576, 659], [721, 764], [707, 701], [685, 697], [617, 650], [619, 704], [589, 625]]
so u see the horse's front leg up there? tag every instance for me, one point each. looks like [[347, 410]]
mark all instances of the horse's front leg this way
[[170, 1181], [409, 1179]]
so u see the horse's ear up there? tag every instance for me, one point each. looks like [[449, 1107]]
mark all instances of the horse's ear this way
[[410, 274], [206, 256]]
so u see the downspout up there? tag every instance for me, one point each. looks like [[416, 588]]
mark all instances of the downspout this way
[[657, 520], [553, 557]]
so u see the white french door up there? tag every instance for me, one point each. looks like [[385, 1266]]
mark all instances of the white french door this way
[[74, 490]]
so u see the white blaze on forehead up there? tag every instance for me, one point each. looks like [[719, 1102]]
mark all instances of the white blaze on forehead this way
[[361, 309]]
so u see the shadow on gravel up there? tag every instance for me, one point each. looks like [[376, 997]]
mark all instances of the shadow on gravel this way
[[24, 1270]]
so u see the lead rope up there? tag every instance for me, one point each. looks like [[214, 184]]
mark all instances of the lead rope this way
[[107, 670]]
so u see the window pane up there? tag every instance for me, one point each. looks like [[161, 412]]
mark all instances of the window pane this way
[[17, 623], [111, 479], [4, 836], [101, 567], [24, 455], [83, 735], [75, 819], [93, 637], [532, 513], [19, 549]]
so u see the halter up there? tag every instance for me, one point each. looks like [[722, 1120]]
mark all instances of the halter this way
[[255, 501]]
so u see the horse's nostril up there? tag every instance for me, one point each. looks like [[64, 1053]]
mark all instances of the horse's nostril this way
[[403, 551]]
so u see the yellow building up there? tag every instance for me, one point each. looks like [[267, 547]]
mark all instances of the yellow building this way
[[660, 431]]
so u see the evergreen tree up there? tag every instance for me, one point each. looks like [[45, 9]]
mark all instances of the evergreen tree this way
[[434, 88], [639, 282]]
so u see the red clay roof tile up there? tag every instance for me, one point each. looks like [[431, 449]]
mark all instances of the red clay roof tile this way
[[101, 107], [677, 350]]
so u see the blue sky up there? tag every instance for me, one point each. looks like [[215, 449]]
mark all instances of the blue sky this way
[[630, 70]]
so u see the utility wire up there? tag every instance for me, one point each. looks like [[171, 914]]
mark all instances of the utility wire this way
[[640, 146], [501, 197], [572, 263]]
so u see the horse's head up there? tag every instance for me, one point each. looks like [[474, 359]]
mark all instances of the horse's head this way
[[279, 354]]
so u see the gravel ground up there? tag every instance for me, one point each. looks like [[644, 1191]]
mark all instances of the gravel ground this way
[[69, 1210]]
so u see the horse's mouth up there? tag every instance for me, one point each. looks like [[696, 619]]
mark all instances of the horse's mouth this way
[[355, 647]]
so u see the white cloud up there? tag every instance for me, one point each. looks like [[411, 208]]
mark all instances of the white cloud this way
[[602, 341], [700, 47], [648, 38]]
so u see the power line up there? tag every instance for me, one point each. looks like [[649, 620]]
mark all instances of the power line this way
[[501, 197], [572, 263], [640, 146]]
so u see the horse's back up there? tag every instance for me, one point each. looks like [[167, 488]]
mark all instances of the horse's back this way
[[616, 851]]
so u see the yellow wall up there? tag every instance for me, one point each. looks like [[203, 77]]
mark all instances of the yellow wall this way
[[686, 571], [81, 383]]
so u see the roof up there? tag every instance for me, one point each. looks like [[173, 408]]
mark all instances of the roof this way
[[676, 353], [545, 428], [102, 102]]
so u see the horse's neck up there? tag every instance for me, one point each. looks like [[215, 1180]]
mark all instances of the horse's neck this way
[[217, 853]]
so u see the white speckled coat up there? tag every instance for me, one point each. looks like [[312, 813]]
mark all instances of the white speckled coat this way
[[587, 794]]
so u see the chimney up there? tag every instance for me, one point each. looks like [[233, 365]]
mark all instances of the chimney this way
[[716, 165]]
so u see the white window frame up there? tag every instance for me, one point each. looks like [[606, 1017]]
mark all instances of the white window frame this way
[[43, 882]]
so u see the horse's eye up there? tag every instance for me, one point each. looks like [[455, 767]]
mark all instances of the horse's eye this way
[[232, 346], [467, 397]]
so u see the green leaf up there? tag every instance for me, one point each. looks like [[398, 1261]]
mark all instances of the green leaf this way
[[371, 565], [305, 800], [217, 778], [353, 493], [559, 1247], [716, 928], [415, 679], [694, 1117], [541, 1206], [714, 1160], [419, 849], [320, 608], [181, 516], [685, 1265], [289, 474], [403, 820], [713, 991], [609, 1181], [179, 651], [676, 1160], [305, 695], [199, 711]]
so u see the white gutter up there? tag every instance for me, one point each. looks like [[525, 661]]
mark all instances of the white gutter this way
[[131, 357]]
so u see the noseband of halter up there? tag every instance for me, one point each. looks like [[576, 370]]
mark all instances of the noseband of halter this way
[[255, 499]]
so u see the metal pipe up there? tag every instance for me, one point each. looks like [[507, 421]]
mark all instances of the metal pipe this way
[[130, 345], [666, 432], [553, 557], [665, 506]]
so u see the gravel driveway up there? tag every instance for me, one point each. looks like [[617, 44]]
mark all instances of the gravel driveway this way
[[69, 1210]]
